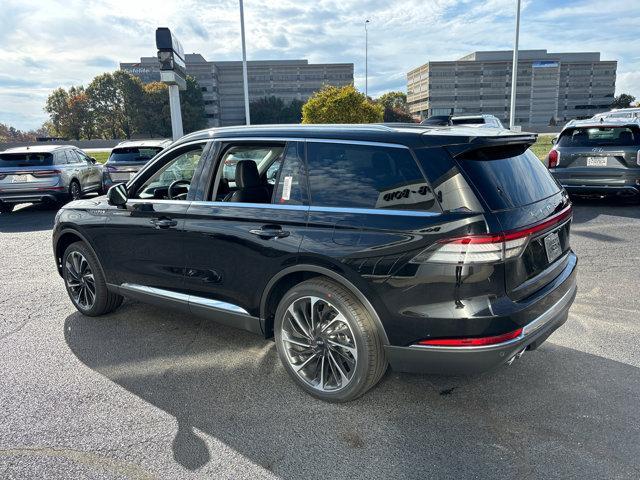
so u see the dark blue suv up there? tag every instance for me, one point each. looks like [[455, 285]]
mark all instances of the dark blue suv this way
[[430, 249]]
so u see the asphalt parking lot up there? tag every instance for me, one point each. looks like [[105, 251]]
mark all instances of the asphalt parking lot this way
[[147, 393]]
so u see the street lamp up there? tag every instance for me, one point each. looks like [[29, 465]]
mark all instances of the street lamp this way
[[245, 80], [514, 70], [366, 60]]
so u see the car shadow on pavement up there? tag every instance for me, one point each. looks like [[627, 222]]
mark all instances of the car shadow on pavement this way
[[29, 218], [557, 412]]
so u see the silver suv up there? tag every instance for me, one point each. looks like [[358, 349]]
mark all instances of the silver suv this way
[[598, 157], [128, 157], [49, 173]]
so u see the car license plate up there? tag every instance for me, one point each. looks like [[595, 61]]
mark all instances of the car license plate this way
[[20, 179], [552, 246], [596, 161], [121, 177]]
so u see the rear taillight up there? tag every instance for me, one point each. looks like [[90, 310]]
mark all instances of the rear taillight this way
[[112, 169], [486, 248], [554, 158], [45, 173], [472, 342]]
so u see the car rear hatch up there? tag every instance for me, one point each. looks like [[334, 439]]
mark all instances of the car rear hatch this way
[[533, 212], [124, 162], [27, 171], [598, 149]]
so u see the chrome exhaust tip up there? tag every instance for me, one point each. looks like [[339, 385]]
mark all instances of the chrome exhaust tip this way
[[516, 356]]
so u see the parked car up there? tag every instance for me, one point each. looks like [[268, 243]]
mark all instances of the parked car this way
[[489, 121], [442, 251], [128, 157], [627, 113], [598, 157], [47, 173]]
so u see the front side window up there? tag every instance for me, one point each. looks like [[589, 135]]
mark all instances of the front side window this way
[[366, 176], [248, 173], [172, 181]]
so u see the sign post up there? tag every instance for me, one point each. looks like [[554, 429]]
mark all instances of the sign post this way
[[173, 72]]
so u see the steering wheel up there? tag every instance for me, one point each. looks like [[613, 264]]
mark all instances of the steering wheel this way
[[179, 196]]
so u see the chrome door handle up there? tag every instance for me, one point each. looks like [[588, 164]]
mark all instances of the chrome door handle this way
[[164, 222], [270, 232]]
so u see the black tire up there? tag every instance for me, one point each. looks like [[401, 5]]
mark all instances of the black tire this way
[[104, 301], [371, 364], [6, 207], [75, 191]]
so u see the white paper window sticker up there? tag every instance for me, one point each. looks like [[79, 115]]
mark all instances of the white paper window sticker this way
[[286, 188]]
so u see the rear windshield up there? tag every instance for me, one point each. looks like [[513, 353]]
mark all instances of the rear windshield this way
[[25, 159], [508, 181], [467, 121], [600, 137], [133, 154]]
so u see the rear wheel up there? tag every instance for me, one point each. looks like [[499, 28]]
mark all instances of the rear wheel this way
[[85, 282], [328, 342], [6, 207], [75, 191]]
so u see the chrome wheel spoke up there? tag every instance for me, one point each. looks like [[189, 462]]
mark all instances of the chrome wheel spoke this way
[[318, 344], [80, 280]]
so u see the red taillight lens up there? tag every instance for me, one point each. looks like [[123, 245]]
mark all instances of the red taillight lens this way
[[472, 342], [554, 158], [489, 248], [45, 173]]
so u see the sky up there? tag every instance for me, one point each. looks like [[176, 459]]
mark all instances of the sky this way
[[46, 44]]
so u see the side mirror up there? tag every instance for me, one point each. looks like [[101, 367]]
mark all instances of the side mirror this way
[[117, 195], [93, 160]]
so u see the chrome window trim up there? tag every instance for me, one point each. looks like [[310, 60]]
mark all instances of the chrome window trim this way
[[367, 211]]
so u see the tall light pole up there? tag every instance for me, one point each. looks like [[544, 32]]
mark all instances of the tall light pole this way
[[514, 72], [245, 80], [366, 59]]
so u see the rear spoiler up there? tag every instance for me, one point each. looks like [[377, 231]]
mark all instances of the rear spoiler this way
[[514, 143]]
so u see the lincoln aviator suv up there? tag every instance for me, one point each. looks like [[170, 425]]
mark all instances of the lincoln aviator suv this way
[[428, 249]]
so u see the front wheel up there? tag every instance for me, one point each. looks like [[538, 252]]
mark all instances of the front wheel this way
[[75, 192], [85, 282], [328, 342]]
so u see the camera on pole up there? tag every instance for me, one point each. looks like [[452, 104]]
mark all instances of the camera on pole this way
[[173, 72]]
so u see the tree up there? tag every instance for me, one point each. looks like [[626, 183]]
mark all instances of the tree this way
[[156, 118], [341, 105], [192, 105], [395, 107], [69, 112], [269, 110], [624, 100]]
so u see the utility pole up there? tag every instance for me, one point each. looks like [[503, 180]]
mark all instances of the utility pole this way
[[366, 59], [514, 68], [245, 80]]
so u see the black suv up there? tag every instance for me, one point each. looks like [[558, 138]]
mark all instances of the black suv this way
[[441, 250]]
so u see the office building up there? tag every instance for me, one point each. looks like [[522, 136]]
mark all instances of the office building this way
[[552, 88], [221, 82]]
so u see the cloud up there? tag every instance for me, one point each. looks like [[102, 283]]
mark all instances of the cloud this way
[[50, 43]]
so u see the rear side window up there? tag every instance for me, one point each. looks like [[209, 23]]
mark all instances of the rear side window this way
[[25, 159], [506, 180], [291, 188], [366, 176], [600, 137], [133, 154]]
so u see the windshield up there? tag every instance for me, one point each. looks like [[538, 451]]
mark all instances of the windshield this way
[[508, 181], [133, 154], [600, 137], [27, 159]]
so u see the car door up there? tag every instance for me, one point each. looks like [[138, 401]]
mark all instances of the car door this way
[[234, 248], [141, 246], [92, 171]]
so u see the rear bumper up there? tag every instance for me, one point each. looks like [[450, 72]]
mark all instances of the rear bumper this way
[[622, 182], [34, 196], [470, 360]]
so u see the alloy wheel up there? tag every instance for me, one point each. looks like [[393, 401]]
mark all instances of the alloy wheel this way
[[319, 344], [75, 191], [80, 280]]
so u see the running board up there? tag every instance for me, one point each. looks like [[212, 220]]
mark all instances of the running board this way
[[220, 312]]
